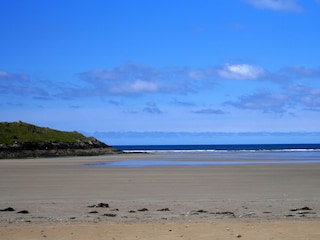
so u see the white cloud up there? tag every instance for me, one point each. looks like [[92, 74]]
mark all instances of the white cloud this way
[[4, 74], [137, 86], [104, 74], [20, 84], [276, 5], [291, 97], [131, 79], [135, 79], [300, 72], [306, 96], [241, 72], [197, 74], [13, 77], [263, 101], [140, 85], [210, 111], [125, 72]]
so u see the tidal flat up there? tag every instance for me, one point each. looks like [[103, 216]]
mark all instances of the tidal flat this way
[[70, 195]]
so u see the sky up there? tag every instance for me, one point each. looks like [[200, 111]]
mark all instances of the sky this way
[[164, 72]]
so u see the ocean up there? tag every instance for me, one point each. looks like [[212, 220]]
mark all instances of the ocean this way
[[221, 148], [216, 155]]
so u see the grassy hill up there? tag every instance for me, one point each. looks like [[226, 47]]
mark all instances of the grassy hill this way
[[18, 132], [19, 139]]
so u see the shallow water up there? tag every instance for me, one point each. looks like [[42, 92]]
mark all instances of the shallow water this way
[[155, 163], [194, 159]]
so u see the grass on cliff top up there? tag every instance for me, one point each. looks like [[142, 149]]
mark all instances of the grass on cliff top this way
[[18, 132]]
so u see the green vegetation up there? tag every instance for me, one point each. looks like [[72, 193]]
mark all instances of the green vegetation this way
[[23, 140], [20, 132]]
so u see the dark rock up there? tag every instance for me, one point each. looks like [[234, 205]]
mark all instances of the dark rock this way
[[305, 209], [93, 212], [110, 215], [143, 210], [225, 213], [303, 213], [8, 209], [164, 210], [132, 211], [23, 212], [99, 205], [202, 211], [301, 209]]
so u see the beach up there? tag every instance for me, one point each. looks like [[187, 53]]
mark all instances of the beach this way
[[67, 198]]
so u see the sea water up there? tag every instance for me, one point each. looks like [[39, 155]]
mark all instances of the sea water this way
[[215, 155], [221, 148]]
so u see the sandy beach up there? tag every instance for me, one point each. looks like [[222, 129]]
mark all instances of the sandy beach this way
[[64, 198]]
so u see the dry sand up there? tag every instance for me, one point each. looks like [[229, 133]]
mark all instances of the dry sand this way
[[220, 230], [212, 202]]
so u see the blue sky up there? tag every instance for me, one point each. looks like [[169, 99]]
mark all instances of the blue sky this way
[[159, 72]]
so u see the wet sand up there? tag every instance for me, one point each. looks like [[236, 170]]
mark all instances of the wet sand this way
[[167, 202]]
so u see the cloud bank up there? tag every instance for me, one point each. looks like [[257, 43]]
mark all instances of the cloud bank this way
[[290, 88], [133, 79]]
